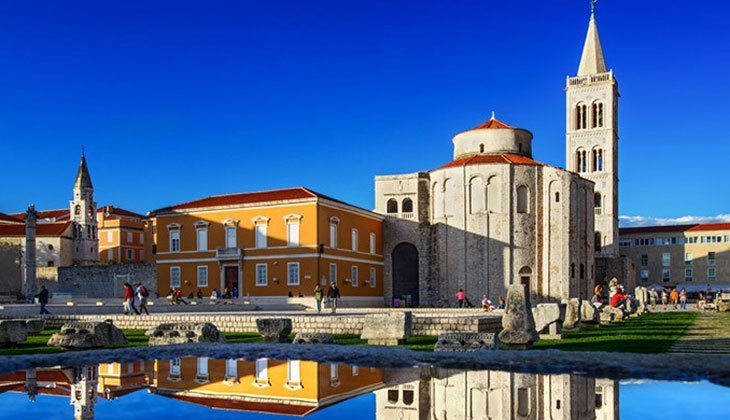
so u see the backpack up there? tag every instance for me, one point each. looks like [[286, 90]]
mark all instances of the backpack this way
[[143, 291]]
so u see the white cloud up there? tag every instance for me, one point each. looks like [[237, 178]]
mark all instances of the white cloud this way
[[633, 221]]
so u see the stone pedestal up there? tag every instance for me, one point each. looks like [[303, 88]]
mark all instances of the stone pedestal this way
[[274, 330], [388, 329], [549, 319], [518, 324], [462, 342], [88, 335], [588, 313], [572, 314]]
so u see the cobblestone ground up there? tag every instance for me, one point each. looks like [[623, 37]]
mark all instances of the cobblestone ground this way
[[710, 333]]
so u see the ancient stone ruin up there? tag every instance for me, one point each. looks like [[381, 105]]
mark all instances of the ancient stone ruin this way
[[274, 330], [387, 329], [34, 326], [589, 314], [549, 319], [517, 323], [572, 314], [313, 338], [184, 332], [461, 342], [12, 332], [88, 335]]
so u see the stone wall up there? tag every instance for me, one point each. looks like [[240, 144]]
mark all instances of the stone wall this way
[[103, 281], [11, 278], [623, 268], [341, 324]]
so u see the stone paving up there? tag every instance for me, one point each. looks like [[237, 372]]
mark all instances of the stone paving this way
[[710, 333]]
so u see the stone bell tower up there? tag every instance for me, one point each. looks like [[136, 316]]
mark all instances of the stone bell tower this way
[[83, 216], [592, 137]]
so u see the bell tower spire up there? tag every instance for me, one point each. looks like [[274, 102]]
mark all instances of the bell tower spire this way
[[592, 136], [83, 215]]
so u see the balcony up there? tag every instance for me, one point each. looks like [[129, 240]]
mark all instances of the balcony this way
[[229, 253], [408, 215], [594, 78]]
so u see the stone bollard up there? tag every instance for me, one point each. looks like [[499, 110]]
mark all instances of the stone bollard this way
[[572, 314], [517, 322], [549, 319], [274, 330], [589, 314], [387, 329]]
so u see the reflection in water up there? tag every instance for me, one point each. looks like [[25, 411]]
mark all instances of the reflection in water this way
[[298, 388]]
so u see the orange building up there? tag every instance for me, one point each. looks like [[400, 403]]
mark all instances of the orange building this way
[[121, 235], [269, 244], [289, 387]]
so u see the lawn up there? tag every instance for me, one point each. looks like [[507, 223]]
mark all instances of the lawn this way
[[651, 333]]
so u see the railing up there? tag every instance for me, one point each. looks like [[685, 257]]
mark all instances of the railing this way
[[594, 78], [229, 253], [597, 210], [408, 216]]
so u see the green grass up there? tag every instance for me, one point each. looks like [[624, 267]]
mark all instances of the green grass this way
[[651, 333]]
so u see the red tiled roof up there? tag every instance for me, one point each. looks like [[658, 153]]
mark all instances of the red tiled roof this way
[[10, 219], [491, 124], [491, 159], [58, 214], [248, 198], [675, 228], [242, 405], [119, 211], [42, 229]]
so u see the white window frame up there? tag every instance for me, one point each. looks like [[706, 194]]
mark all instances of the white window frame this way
[[175, 240], [203, 371], [231, 368], [713, 276], [333, 273], [261, 235], [202, 238], [354, 274], [292, 233], [712, 261], [355, 370], [110, 236], [141, 238], [262, 370], [130, 238], [687, 258], [666, 275], [202, 280], [334, 231], [130, 254], [293, 372], [688, 274], [373, 242], [373, 277], [175, 367], [289, 280], [334, 375], [231, 239], [172, 277], [666, 259], [265, 276], [110, 254], [355, 238]]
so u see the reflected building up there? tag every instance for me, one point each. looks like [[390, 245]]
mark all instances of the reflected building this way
[[440, 394], [288, 387]]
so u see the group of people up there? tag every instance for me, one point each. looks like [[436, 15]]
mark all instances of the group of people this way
[[332, 295], [671, 296], [132, 294], [463, 302], [616, 295]]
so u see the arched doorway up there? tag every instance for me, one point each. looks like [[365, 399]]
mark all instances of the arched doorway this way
[[525, 275], [405, 275]]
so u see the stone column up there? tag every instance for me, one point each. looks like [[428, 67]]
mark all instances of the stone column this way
[[29, 278]]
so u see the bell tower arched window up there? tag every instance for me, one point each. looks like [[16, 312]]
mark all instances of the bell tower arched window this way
[[581, 116], [597, 114], [407, 206], [392, 206], [597, 203], [598, 241]]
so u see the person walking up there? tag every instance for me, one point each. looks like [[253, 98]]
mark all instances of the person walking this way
[[674, 298], [318, 296], [142, 295], [43, 300], [653, 297], [460, 298], [683, 299], [665, 297], [333, 293], [129, 300]]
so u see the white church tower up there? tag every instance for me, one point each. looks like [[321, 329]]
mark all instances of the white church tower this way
[[83, 215], [592, 136]]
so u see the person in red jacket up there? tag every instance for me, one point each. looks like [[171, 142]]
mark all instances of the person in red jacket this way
[[129, 308], [619, 299]]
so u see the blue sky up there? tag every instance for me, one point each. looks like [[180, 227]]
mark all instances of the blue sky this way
[[175, 100]]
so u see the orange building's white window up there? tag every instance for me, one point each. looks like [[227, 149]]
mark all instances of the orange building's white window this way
[[260, 231], [110, 236], [262, 370], [333, 273], [292, 278], [355, 274], [174, 241], [129, 238], [262, 275], [175, 367], [231, 368], [355, 240], [292, 233], [202, 276], [293, 375], [130, 254], [201, 228], [372, 243], [174, 276], [355, 370], [110, 254], [334, 223], [334, 375], [230, 236], [373, 277], [202, 374]]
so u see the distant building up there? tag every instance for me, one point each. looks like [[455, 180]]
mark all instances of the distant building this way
[[269, 244], [121, 235], [697, 254]]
